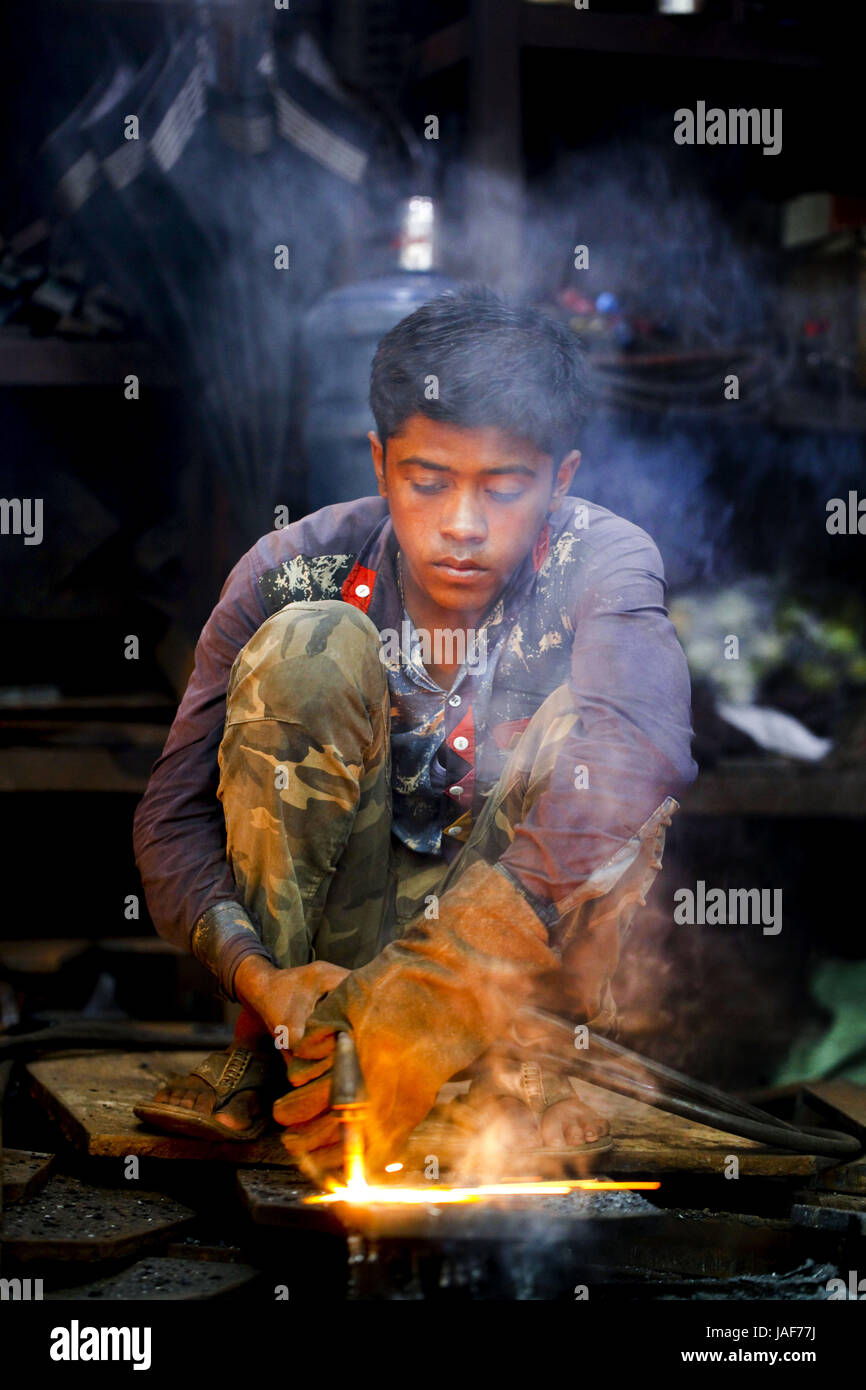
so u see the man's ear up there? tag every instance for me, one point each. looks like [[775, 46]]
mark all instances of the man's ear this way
[[564, 475], [378, 451]]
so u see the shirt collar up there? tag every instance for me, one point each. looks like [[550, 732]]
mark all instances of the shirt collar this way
[[379, 555]]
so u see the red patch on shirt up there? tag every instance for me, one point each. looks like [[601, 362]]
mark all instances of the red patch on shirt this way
[[358, 575]]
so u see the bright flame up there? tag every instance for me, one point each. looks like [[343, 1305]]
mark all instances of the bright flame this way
[[357, 1191], [360, 1191], [353, 1150]]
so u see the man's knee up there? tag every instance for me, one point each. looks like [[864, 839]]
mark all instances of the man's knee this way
[[304, 659]]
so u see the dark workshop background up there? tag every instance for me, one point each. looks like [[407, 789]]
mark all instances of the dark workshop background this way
[[308, 128]]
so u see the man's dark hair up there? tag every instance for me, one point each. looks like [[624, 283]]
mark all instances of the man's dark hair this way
[[496, 364]]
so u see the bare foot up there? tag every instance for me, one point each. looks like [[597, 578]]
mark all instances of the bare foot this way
[[569, 1123]]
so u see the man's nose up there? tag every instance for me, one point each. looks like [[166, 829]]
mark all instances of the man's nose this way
[[463, 519]]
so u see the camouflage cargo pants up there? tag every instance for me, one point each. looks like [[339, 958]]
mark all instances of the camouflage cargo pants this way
[[305, 782]]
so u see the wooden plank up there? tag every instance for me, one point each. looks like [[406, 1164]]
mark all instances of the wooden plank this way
[[25, 1172], [162, 1277], [844, 1102], [650, 1142], [72, 1220], [91, 1095], [40, 956]]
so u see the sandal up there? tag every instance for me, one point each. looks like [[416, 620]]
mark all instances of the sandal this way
[[227, 1074]]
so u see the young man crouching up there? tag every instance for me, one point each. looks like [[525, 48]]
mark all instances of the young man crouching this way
[[445, 725]]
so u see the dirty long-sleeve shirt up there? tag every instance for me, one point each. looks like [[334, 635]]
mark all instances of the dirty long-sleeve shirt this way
[[586, 607]]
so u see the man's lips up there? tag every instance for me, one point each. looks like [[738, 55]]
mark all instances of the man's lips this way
[[461, 571], [449, 563]]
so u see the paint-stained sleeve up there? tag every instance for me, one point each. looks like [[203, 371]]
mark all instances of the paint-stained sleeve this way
[[630, 745], [179, 830]]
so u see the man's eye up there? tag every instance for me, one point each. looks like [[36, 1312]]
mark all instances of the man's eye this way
[[428, 487], [506, 496]]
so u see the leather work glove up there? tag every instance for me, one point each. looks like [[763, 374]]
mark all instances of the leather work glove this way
[[426, 1007]]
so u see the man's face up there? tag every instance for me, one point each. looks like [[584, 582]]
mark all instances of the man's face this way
[[467, 506]]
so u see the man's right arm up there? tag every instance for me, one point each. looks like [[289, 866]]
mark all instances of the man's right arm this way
[[179, 830]]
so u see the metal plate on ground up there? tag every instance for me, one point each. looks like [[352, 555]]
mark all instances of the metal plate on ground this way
[[845, 1177], [24, 1173], [274, 1199], [165, 1277], [72, 1220]]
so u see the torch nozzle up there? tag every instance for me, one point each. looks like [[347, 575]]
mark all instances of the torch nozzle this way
[[347, 1083], [349, 1100]]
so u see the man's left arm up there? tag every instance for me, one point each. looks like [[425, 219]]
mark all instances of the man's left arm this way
[[630, 745]]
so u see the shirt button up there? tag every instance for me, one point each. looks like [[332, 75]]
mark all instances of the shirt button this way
[[362, 590], [460, 743], [455, 700], [455, 791]]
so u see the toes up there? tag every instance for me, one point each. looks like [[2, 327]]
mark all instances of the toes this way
[[568, 1124]]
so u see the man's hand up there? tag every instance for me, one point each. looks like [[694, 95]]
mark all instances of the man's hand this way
[[284, 999]]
